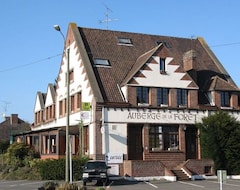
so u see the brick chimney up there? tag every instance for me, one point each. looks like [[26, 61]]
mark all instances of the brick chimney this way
[[190, 60], [14, 119]]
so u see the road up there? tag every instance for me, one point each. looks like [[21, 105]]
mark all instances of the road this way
[[133, 185]]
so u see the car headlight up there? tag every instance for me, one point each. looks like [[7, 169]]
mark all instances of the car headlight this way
[[85, 175]]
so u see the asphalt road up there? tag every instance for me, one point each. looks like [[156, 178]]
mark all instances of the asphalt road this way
[[133, 185]]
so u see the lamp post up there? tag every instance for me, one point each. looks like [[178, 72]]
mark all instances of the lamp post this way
[[57, 27]]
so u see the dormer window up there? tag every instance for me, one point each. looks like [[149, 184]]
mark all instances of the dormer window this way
[[124, 41], [162, 65], [101, 62], [225, 99], [166, 44]]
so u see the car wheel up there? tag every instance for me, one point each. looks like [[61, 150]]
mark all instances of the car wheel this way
[[105, 182]]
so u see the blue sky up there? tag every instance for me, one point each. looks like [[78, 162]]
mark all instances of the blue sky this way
[[31, 49]]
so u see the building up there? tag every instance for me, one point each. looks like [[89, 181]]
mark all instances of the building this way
[[11, 125], [134, 101]]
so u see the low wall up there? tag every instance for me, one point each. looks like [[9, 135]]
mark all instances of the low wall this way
[[203, 166], [143, 168]]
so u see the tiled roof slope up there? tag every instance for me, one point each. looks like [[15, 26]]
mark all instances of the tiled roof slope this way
[[104, 44]]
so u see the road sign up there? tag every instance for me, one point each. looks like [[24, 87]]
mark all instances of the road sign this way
[[86, 106]]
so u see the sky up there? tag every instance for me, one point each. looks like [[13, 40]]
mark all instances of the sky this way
[[31, 50]]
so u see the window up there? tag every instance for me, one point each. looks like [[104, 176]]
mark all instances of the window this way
[[181, 97], [163, 138], [49, 144], [79, 100], [142, 95], [166, 44], [124, 41], [225, 99], [71, 75], [101, 62], [61, 108], [162, 96], [72, 105], [156, 138], [162, 65]]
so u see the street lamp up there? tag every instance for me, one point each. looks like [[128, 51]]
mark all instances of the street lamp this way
[[57, 27]]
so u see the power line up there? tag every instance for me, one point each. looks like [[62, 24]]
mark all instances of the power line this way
[[229, 44], [51, 57], [28, 64]]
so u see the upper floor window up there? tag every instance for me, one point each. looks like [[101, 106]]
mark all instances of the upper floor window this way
[[79, 100], [225, 99], [142, 94], [162, 96], [162, 65], [181, 97], [71, 75]]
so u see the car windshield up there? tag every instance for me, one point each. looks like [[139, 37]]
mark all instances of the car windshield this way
[[92, 165]]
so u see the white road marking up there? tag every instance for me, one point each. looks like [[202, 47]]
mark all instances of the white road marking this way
[[110, 185], [151, 184], [19, 184]]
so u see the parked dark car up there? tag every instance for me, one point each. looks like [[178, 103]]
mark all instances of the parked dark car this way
[[95, 170]]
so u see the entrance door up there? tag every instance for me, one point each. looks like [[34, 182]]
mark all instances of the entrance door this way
[[191, 142], [135, 148]]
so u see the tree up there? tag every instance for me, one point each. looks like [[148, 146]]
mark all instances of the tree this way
[[17, 152], [220, 141]]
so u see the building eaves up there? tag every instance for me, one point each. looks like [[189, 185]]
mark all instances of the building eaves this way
[[87, 64], [216, 61], [218, 84]]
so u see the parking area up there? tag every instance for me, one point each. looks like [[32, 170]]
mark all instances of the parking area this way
[[179, 185], [122, 184]]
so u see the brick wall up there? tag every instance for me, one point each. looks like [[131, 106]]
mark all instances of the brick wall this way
[[200, 166], [132, 95], [193, 99], [169, 158], [140, 168]]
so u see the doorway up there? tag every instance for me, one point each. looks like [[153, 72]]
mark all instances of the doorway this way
[[191, 142], [135, 147]]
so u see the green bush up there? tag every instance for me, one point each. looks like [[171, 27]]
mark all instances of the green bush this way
[[17, 153], [56, 168], [4, 146]]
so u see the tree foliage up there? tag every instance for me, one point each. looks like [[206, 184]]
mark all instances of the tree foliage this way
[[17, 154], [4, 146], [220, 141]]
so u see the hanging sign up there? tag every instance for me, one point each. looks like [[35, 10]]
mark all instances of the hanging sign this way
[[86, 106]]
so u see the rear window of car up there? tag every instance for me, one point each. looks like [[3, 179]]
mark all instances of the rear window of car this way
[[92, 165]]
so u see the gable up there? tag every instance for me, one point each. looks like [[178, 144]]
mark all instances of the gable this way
[[39, 102], [50, 97], [150, 75]]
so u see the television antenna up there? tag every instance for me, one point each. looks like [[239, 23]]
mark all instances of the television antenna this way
[[107, 19], [5, 107]]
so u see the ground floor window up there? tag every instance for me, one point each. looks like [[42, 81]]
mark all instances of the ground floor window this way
[[163, 137], [49, 144]]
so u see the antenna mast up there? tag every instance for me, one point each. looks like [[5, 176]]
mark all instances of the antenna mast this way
[[107, 19], [5, 108]]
